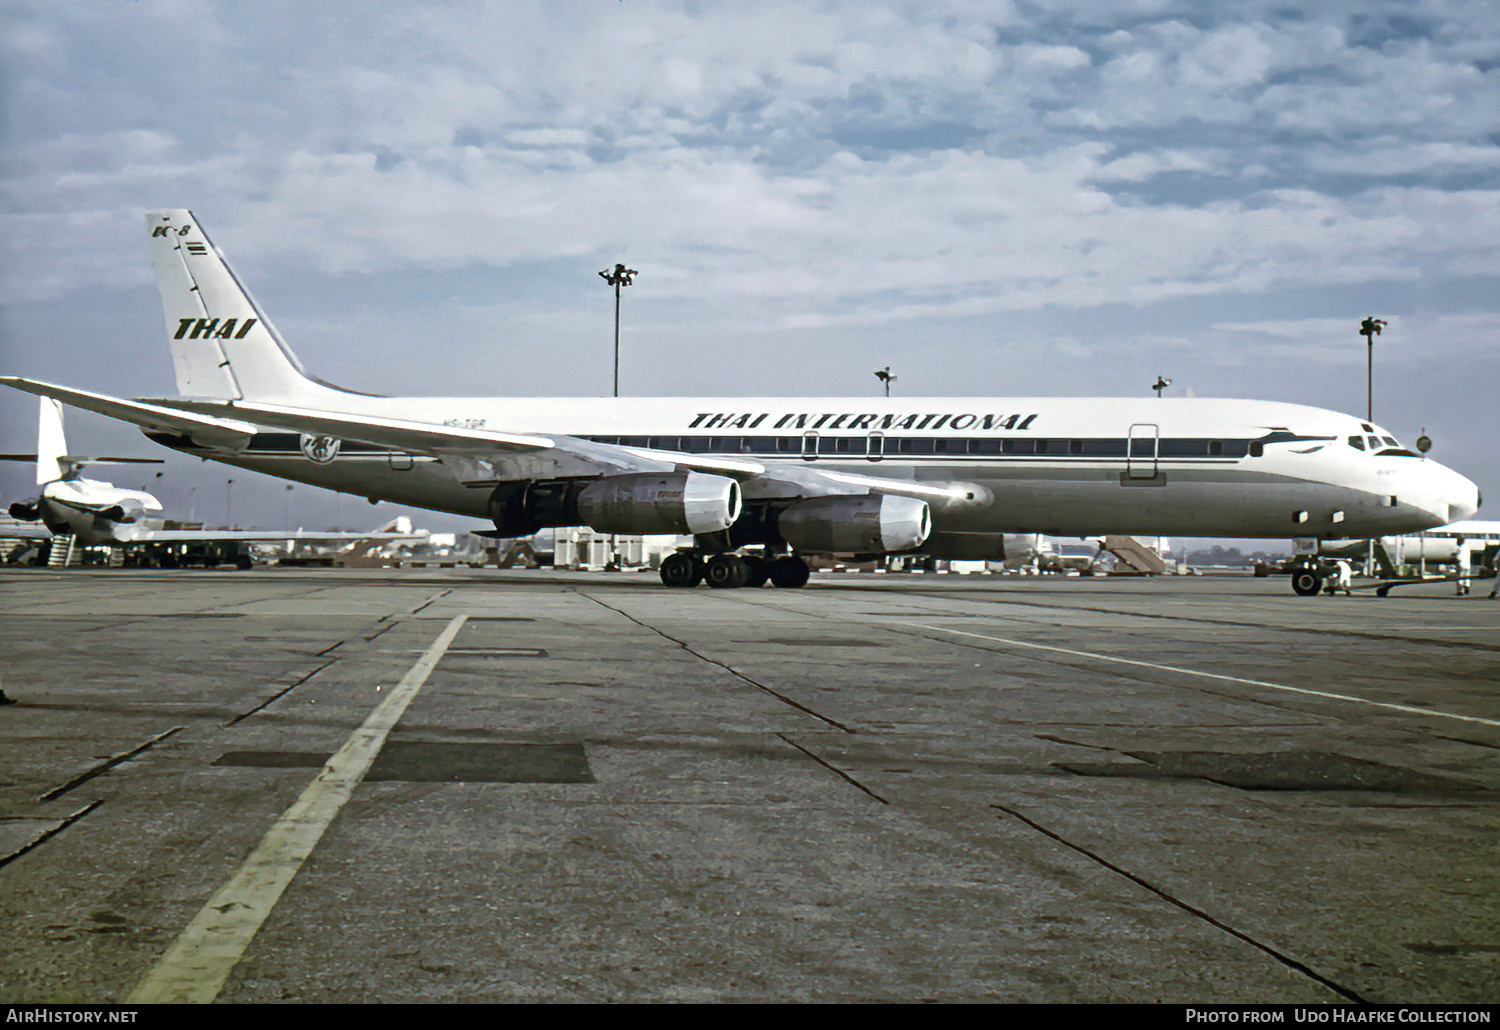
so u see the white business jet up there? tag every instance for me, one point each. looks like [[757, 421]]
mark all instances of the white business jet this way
[[786, 477], [95, 513]]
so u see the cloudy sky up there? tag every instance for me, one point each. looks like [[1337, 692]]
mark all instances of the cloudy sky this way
[[1048, 197]]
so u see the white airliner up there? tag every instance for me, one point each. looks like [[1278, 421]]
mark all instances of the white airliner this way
[[1438, 546], [822, 475], [96, 513]]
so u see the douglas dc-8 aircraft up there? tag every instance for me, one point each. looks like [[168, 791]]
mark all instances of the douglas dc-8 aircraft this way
[[821, 475]]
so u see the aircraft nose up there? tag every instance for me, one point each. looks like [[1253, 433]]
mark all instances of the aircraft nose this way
[[1459, 493]]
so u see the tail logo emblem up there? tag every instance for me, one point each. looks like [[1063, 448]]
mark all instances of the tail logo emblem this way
[[209, 328], [320, 449]]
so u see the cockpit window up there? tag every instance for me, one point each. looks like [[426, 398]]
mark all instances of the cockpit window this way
[[1357, 442], [1389, 441]]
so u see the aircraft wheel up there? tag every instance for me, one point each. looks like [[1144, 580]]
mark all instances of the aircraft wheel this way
[[760, 571], [1307, 582], [681, 570], [726, 571], [243, 562], [789, 572]]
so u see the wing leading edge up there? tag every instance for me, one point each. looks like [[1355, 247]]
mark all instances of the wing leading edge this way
[[480, 456]]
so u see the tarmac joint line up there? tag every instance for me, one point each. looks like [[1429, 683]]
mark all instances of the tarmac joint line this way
[[1197, 913], [832, 768], [106, 765], [52, 831], [727, 668]]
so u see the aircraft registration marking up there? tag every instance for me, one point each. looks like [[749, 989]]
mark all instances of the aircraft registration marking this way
[[200, 960]]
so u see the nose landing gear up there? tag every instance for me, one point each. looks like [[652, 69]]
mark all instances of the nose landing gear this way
[[1307, 581]]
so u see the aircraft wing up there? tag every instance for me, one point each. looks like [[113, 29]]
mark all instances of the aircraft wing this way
[[388, 432], [24, 531], [482, 455], [509, 455], [210, 430], [187, 536]]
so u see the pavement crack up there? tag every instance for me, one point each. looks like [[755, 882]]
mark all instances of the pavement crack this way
[[106, 765], [1077, 743], [62, 824], [832, 768], [1192, 910], [283, 691], [727, 668], [413, 611]]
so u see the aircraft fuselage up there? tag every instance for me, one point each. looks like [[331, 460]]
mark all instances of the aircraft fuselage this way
[[1060, 466]]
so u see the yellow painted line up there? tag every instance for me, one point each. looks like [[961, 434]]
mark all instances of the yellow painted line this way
[[195, 967], [1409, 709]]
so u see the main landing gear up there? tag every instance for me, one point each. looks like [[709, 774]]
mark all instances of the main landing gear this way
[[725, 571]]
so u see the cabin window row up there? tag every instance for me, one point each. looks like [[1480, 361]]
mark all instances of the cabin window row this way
[[877, 445]]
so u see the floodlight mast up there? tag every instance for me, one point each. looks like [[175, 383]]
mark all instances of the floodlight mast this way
[[884, 375], [621, 276], [1369, 329]]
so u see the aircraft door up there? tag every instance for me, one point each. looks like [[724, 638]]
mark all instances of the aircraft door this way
[[809, 446], [1142, 450]]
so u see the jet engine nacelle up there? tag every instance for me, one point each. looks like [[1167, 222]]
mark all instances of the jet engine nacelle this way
[[647, 502], [874, 524], [670, 502], [24, 512], [126, 511]]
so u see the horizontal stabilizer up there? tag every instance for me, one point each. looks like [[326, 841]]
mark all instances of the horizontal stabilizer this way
[[79, 460]]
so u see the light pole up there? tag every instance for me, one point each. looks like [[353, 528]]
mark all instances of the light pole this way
[[621, 276], [884, 375], [1369, 329], [1161, 384]]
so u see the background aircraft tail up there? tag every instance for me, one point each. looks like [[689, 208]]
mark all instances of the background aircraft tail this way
[[51, 447], [53, 462], [222, 346]]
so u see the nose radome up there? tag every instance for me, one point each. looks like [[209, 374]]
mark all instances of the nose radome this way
[[1461, 495]]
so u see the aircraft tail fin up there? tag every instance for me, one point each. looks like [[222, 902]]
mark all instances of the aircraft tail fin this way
[[222, 346], [51, 447]]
